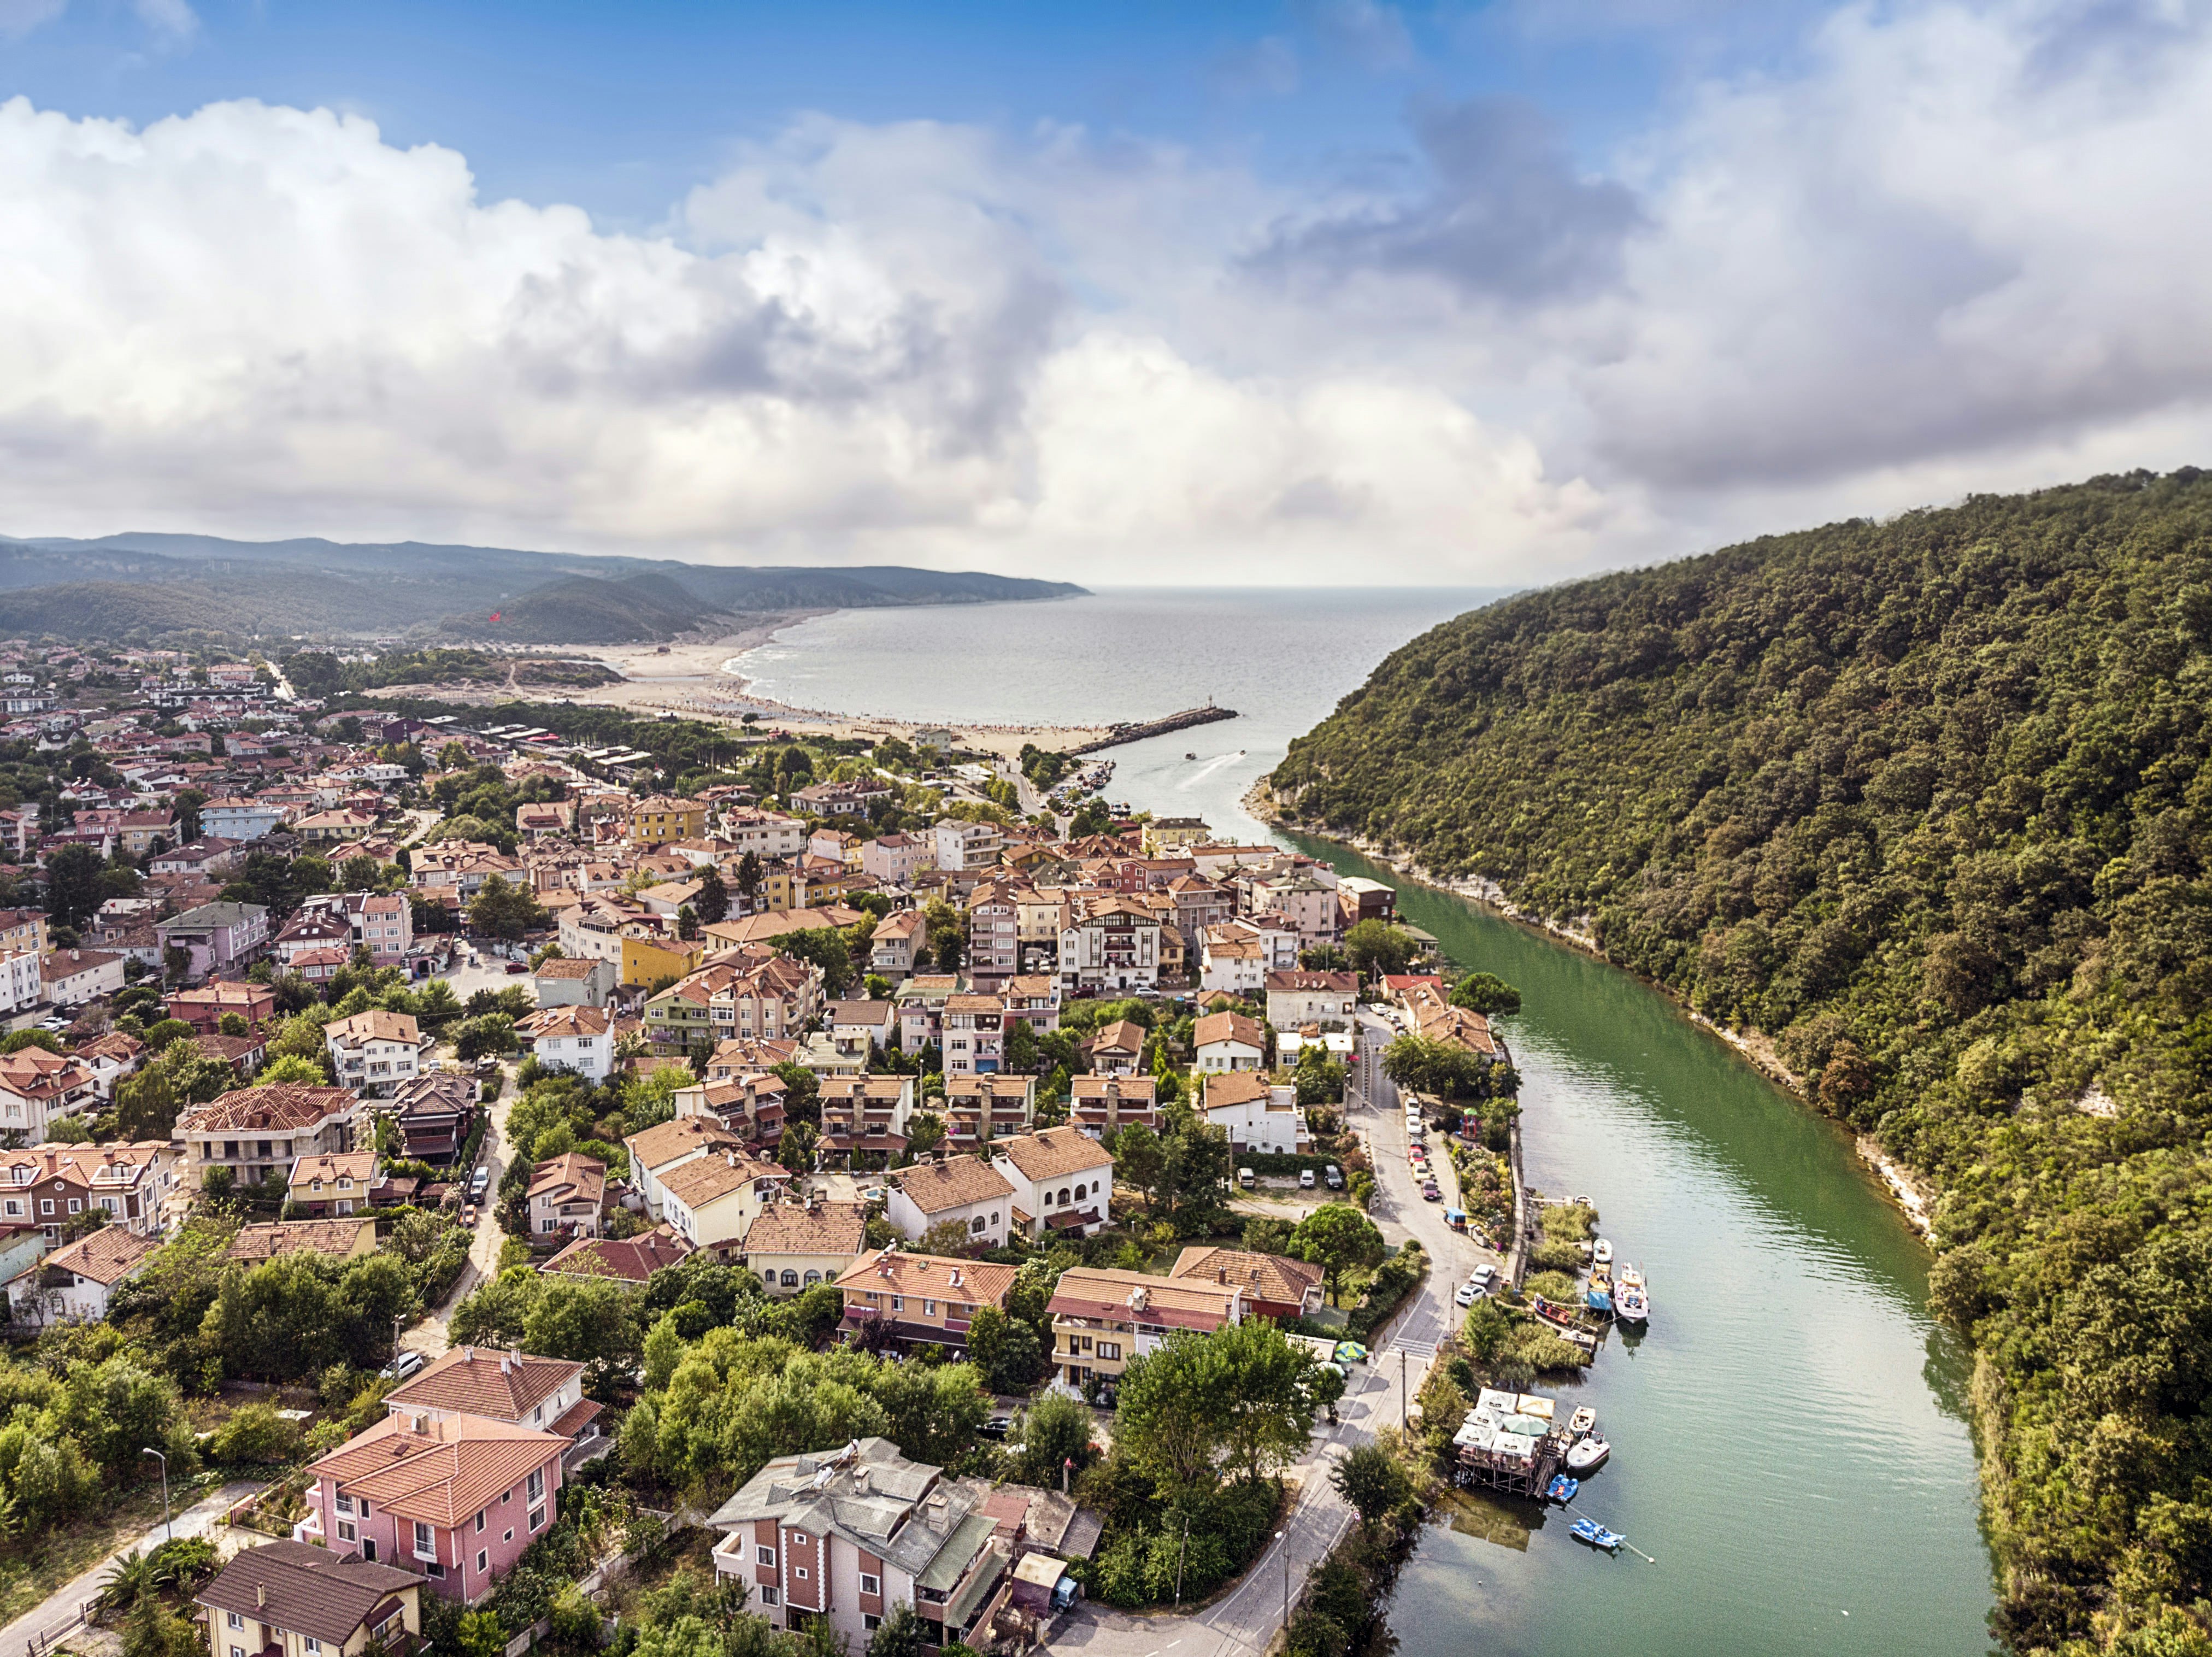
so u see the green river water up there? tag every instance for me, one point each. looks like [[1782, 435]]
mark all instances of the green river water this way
[[1789, 1437]]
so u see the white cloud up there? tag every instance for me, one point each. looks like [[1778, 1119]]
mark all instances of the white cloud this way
[[19, 17], [1959, 249]]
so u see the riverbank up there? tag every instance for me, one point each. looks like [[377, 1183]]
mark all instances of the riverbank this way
[[1912, 1192]]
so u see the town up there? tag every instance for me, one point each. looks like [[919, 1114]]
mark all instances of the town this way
[[960, 1205]]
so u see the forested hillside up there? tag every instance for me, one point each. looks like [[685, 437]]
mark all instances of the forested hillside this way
[[1927, 801]]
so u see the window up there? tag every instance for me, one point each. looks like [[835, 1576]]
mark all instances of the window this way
[[346, 1531], [898, 1302], [482, 1559], [537, 1517], [345, 1504], [536, 1485], [14, 1208], [976, 1224], [871, 1584], [425, 1541], [868, 1620], [364, 1506], [799, 1571], [790, 1278], [45, 1205], [508, 1535], [767, 1591], [311, 1645], [929, 1308], [1109, 1348], [235, 1620], [434, 1568], [480, 1523], [764, 1555]]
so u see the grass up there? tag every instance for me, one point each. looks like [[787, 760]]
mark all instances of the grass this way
[[28, 1578]]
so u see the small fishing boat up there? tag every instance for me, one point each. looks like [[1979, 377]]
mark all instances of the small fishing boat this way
[[1603, 1254], [1590, 1531], [1562, 1489], [1588, 1456], [1598, 1301], [1580, 1423], [1631, 1301]]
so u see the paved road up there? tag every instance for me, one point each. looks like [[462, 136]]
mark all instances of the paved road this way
[[429, 1336], [59, 1611], [1243, 1624]]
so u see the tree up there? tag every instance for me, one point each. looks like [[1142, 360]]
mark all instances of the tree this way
[[73, 885], [749, 881], [1487, 994], [1055, 1430], [482, 1037], [687, 923], [712, 902], [480, 1634], [901, 1634], [233, 1024], [1370, 1479], [925, 1132], [1377, 948], [1336, 1237], [501, 910]]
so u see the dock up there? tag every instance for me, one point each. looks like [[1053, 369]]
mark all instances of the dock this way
[[1119, 734]]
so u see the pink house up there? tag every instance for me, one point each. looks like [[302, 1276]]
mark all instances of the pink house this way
[[456, 1499]]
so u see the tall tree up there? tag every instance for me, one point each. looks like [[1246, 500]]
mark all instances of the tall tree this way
[[712, 902]]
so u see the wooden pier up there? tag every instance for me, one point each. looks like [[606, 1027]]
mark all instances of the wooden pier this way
[[1529, 1476]]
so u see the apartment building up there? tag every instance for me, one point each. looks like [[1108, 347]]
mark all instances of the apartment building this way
[[254, 1131], [1110, 943], [376, 1050], [893, 944], [577, 1038], [994, 934], [895, 859], [962, 848], [1034, 999], [867, 1116], [568, 1197], [660, 819], [974, 1040], [1296, 999], [289, 1599]]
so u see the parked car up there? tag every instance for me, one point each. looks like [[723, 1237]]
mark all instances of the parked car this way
[[1483, 1277], [478, 1182], [1305, 1180], [1333, 1176], [517, 967], [1467, 1296], [469, 1214], [1431, 1193], [997, 1427], [1244, 1177], [402, 1366]]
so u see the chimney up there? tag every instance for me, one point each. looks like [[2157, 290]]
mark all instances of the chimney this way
[[261, 1596], [860, 1481], [468, 1354], [938, 1512]]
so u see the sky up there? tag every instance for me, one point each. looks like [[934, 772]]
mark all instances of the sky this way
[[1322, 292]]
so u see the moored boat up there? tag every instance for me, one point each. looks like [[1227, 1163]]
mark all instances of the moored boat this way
[[1631, 1301], [1580, 1423], [1603, 1254], [1562, 1489], [1588, 1456], [1590, 1531]]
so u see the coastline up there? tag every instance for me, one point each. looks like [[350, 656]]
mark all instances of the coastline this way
[[1907, 1190], [701, 679]]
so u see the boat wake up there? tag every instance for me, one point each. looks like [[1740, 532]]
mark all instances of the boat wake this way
[[1206, 771]]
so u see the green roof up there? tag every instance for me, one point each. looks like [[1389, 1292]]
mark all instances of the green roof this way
[[966, 1540]]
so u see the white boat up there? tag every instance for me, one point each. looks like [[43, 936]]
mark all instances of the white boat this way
[[1632, 1303], [1588, 1456], [1580, 1422], [1603, 1254]]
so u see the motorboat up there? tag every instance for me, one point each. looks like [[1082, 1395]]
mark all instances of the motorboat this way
[[1603, 1254], [1580, 1423], [1562, 1489], [1588, 1456], [1632, 1302], [1590, 1531]]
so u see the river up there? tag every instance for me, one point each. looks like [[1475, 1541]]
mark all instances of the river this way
[[1791, 1436]]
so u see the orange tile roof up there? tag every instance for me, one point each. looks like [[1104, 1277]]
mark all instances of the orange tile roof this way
[[1054, 1152], [483, 1380], [934, 1187], [929, 1275], [459, 1467]]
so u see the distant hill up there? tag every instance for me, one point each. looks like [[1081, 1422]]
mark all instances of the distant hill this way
[[151, 585]]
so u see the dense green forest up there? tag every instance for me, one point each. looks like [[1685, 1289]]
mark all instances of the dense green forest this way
[[1927, 801]]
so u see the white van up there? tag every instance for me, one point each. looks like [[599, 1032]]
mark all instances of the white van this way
[[1244, 1177]]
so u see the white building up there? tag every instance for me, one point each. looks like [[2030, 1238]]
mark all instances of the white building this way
[[578, 1039], [1063, 1180], [74, 1283], [961, 847], [1259, 1115], [376, 1050], [960, 1189]]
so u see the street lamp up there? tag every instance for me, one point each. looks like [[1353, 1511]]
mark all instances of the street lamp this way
[[1286, 1587], [168, 1533]]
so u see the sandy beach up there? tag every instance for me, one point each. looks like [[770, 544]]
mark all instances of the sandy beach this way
[[692, 678]]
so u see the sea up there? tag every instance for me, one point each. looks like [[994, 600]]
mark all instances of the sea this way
[[1282, 659]]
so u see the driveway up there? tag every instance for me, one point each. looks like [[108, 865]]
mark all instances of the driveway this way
[[61, 1609], [429, 1336], [1242, 1624]]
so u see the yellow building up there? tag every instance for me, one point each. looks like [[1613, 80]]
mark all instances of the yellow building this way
[[660, 820], [648, 960]]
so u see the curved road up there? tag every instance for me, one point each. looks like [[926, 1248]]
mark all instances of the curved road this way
[[1245, 1621]]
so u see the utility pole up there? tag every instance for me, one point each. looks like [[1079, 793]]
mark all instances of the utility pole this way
[[1286, 1587], [1402, 1389], [169, 1533], [1180, 1552]]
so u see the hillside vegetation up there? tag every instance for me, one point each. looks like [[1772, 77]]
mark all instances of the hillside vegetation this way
[[1927, 801]]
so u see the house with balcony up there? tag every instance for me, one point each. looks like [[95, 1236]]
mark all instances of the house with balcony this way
[[434, 1112], [579, 1040], [514, 1389], [43, 1187], [921, 1298], [289, 1599], [962, 848], [1101, 1106], [1259, 1115], [857, 1028], [892, 944], [921, 1002], [660, 1150], [981, 1107], [1034, 999], [216, 938], [713, 1201], [866, 1117], [255, 1131], [566, 982], [1110, 943], [204, 1008], [631, 1260], [1100, 1317], [994, 940], [895, 859], [376, 1050], [749, 1103], [237, 818], [848, 1535], [1117, 1049], [963, 1190], [457, 1499], [74, 978], [1294, 1000], [38, 1087]]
